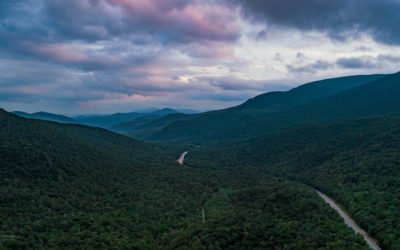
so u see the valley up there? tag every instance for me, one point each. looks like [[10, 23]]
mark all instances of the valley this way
[[200, 124], [67, 183], [334, 205], [245, 182]]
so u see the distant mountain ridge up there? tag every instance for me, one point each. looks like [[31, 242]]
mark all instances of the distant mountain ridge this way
[[102, 121], [46, 116], [108, 121], [278, 101], [145, 126], [271, 111], [312, 102]]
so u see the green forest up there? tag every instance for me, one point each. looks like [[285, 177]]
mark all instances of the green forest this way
[[249, 179], [74, 187], [200, 124], [357, 163]]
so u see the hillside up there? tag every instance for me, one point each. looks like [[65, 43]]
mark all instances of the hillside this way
[[74, 187], [278, 101], [147, 125], [257, 106], [119, 120], [355, 162], [376, 98], [46, 117], [105, 121]]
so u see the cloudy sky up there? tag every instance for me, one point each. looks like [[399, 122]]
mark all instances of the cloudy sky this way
[[102, 56]]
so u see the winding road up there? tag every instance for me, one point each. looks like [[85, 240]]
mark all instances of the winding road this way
[[181, 159], [347, 219]]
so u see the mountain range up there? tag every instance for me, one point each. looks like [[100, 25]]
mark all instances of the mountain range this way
[[247, 182], [46, 117], [104, 121], [368, 96], [73, 186]]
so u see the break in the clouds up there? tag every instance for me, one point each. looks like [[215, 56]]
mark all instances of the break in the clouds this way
[[85, 56]]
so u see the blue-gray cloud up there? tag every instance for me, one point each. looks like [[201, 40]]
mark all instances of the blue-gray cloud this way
[[103, 53], [340, 19], [310, 68], [367, 62], [358, 63], [352, 63], [42, 28], [72, 52]]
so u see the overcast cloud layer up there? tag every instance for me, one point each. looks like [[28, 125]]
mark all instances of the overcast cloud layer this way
[[99, 56]]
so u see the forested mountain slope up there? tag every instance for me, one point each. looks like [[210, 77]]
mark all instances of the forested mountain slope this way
[[46, 117], [105, 121], [278, 101], [109, 121], [74, 187], [356, 163], [377, 98], [143, 127], [260, 105]]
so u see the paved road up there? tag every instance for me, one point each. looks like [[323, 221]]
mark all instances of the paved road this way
[[349, 221], [181, 159]]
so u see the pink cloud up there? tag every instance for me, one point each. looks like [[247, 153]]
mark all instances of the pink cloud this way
[[80, 54], [65, 53], [173, 20]]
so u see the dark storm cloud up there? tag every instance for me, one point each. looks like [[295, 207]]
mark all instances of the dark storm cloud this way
[[340, 19]]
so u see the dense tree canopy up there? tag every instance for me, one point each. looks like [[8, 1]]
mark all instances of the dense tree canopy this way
[[74, 187], [357, 163]]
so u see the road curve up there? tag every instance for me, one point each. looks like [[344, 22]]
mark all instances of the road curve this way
[[349, 221], [181, 159]]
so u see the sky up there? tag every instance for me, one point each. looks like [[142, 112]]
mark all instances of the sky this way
[[105, 56]]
